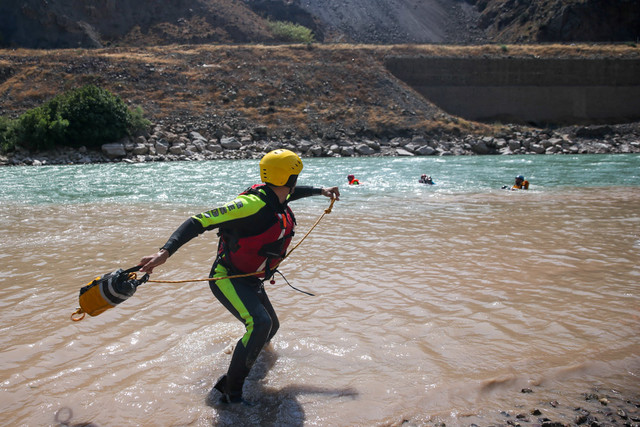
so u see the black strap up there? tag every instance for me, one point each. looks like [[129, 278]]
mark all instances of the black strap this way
[[132, 269], [293, 287], [139, 281]]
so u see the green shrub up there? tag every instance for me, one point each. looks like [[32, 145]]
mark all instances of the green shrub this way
[[88, 116], [95, 117], [7, 134], [41, 128], [290, 32], [137, 122]]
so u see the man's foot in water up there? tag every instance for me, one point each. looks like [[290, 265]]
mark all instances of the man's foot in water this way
[[226, 398]]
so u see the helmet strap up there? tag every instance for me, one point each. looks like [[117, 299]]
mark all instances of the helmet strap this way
[[291, 182]]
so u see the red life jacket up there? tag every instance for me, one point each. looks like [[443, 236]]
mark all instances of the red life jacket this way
[[260, 252]]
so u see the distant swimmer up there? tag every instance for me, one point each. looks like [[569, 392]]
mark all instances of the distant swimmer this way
[[520, 184], [352, 180], [426, 179]]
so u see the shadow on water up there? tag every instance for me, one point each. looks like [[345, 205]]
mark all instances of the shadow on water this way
[[270, 406], [63, 418]]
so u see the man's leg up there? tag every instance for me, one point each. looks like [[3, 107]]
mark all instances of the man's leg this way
[[244, 299]]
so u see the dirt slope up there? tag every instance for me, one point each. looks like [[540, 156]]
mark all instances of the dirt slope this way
[[398, 21], [318, 91], [325, 91]]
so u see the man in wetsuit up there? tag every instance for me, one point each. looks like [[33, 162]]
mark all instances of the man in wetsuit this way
[[255, 230]]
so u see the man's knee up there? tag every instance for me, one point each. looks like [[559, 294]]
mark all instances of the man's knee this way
[[262, 325]]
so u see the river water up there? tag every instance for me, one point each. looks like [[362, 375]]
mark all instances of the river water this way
[[433, 303]]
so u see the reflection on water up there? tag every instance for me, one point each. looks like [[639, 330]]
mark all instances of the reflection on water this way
[[430, 307]]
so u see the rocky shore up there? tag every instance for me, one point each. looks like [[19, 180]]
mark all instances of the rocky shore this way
[[595, 408], [178, 143]]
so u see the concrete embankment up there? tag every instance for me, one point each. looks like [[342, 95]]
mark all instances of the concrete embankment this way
[[527, 90]]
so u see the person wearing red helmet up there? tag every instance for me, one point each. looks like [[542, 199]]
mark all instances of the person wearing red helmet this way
[[352, 180]]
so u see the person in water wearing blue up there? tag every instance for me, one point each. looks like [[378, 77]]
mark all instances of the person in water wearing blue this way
[[426, 179], [255, 230], [520, 184]]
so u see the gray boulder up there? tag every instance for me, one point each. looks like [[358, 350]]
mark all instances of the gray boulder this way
[[113, 150], [347, 151], [537, 148], [162, 146], [403, 153], [364, 149], [230, 143], [195, 136], [425, 150], [139, 149], [480, 147], [176, 149]]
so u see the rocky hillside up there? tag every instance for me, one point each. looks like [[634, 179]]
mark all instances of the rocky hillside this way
[[533, 21], [54, 24], [77, 23]]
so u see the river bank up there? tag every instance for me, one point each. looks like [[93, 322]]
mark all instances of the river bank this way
[[178, 143], [321, 100]]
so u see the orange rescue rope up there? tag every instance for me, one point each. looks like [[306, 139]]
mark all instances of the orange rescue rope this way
[[79, 314]]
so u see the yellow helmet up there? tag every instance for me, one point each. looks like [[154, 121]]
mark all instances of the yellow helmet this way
[[280, 167]]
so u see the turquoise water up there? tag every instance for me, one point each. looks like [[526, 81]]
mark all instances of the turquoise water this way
[[187, 183]]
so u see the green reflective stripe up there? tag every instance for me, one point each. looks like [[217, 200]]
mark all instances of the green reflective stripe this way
[[243, 206], [230, 294]]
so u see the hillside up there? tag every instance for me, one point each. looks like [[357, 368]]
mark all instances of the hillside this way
[[317, 91], [58, 24], [322, 91], [76, 23], [544, 21]]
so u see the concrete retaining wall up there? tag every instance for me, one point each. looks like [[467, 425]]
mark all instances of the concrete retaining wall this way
[[530, 90]]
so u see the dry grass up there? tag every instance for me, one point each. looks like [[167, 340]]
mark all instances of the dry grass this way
[[336, 88]]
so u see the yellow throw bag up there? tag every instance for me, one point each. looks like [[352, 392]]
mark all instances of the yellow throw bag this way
[[105, 292]]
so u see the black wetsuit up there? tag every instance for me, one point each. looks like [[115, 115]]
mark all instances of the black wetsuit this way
[[251, 214]]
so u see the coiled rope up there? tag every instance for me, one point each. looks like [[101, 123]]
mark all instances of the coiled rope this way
[[256, 273]]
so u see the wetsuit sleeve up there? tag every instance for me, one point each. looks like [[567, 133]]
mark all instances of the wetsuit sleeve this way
[[238, 211], [187, 231], [302, 191]]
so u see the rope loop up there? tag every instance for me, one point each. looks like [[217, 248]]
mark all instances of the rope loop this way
[[78, 315]]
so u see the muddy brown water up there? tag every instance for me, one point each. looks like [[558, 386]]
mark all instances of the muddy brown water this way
[[441, 311]]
